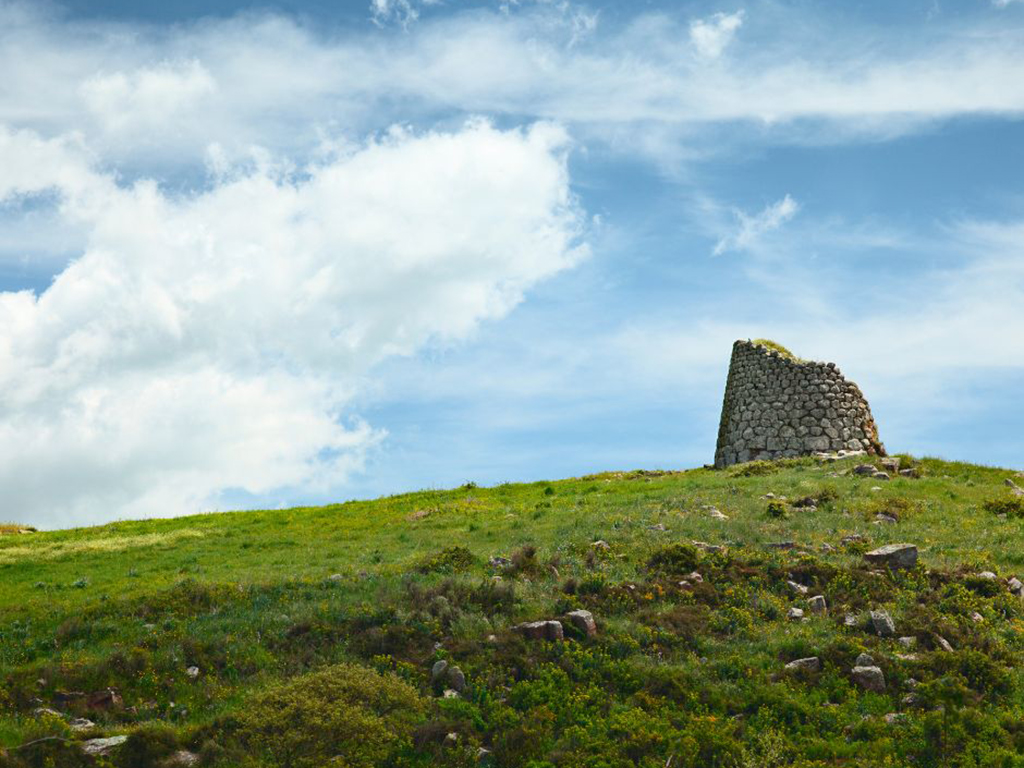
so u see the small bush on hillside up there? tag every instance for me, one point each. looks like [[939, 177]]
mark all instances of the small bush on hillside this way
[[675, 559], [450, 560], [893, 506], [147, 747], [344, 710], [1011, 506], [524, 561], [754, 469], [776, 510]]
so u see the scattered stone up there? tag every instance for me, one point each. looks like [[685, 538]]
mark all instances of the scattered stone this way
[[895, 717], [864, 660], [893, 555], [456, 679], [908, 642], [795, 614], [81, 724], [810, 664], [876, 488], [977, 617], [882, 624], [695, 577], [482, 753], [105, 699], [1015, 489], [890, 464], [1015, 585], [492, 639], [943, 643], [451, 739], [601, 544], [46, 712], [335, 577], [987, 576], [181, 759], [800, 589], [827, 548], [881, 519], [781, 545], [817, 605], [710, 548], [438, 671], [716, 514], [192, 672], [906, 656], [869, 678], [880, 476], [450, 693], [66, 697], [541, 630], [864, 469], [910, 472], [102, 747], [768, 496], [657, 527], [911, 700], [853, 538], [583, 621], [850, 620], [912, 683], [497, 561]]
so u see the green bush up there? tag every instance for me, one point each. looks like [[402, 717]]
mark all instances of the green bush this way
[[776, 510], [675, 559], [345, 712], [450, 560], [147, 747], [1011, 506]]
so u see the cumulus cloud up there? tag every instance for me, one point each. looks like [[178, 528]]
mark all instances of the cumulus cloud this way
[[752, 228], [710, 36], [212, 341]]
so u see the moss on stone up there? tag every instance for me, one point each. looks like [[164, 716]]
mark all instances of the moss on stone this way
[[776, 347]]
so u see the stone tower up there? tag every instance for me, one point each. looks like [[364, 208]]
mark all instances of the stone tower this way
[[777, 406]]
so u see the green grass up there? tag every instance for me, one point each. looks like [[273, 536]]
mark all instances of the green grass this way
[[776, 347], [336, 615]]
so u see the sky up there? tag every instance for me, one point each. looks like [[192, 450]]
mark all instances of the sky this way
[[297, 252]]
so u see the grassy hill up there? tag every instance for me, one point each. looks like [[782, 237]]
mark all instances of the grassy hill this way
[[306, 638]]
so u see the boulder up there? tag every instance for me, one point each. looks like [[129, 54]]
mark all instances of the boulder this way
[[81, 724], [105, 699], [439, 670], [987, 576], [583, 621], [192, 672], [868, 678], [864, 469], [456, 679], [880, 476], [695, 577], [795, 614], [1015, 585], [864, 660], [908, 642], [882, 624], [817, 605], [1015, 489], [540, 630], [943, 643], [181, 759], [800, 589], [102, 747], [810, 664], [894, 556]]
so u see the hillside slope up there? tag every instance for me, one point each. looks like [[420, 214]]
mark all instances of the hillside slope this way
[[305, 638]]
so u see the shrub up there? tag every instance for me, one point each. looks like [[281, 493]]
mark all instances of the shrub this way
[[754, 469], [776, 509], [450, 560], [774, 346], [147, 747], [1011, 506], [674, 559], [344, 710]]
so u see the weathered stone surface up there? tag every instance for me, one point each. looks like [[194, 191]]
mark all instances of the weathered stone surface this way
[[943, 643], [893, 556], [775, 407], [541, 630], [817, 605], [795, 614], [864, 660], [1015, 586], [439, 670], [99, 747], [883, 624], [584, 621], [810, 664], [868, 678]]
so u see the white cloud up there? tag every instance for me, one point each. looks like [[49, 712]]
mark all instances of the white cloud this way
[[213, 341], [1003, 3], [710, 36], [265, 80], [753, 228]]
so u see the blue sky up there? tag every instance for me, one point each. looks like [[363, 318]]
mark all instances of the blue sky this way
[[295, 252]]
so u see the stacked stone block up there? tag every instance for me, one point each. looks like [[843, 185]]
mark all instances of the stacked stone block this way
[[777, 407]]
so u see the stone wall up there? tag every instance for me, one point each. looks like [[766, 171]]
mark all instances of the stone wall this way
[[777, 407]]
